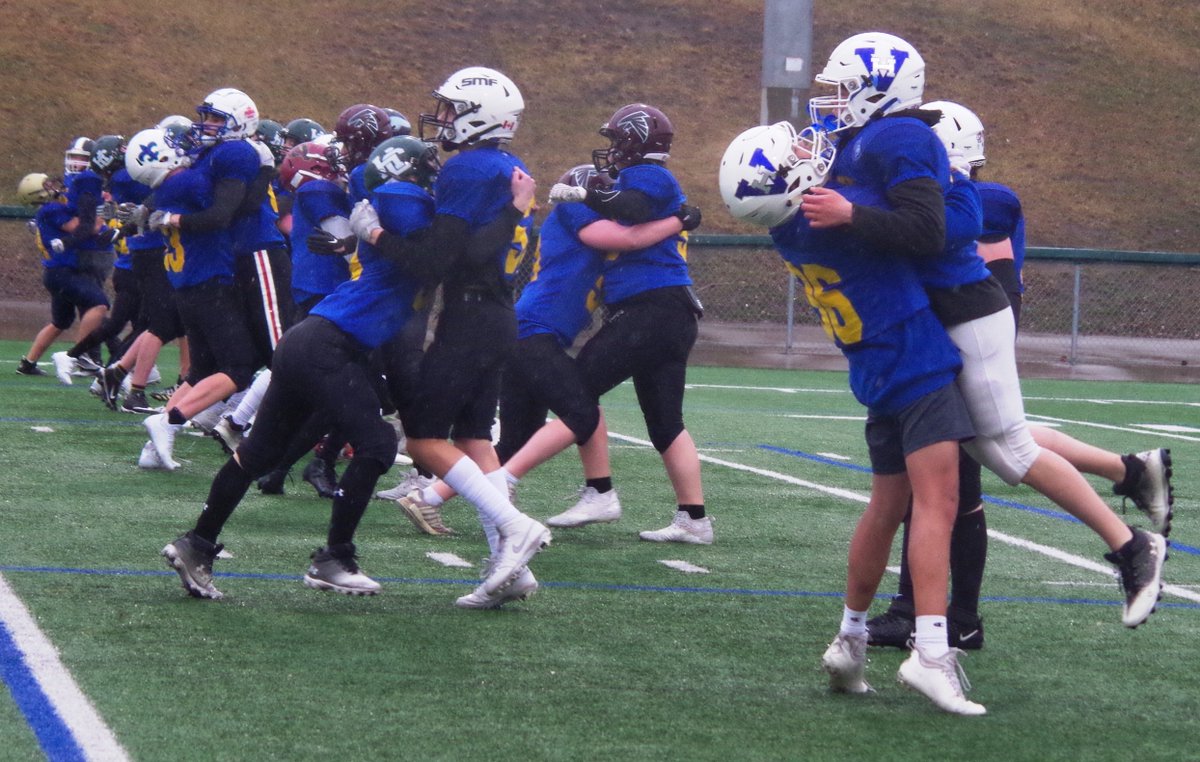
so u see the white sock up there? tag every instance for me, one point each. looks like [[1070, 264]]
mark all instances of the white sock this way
[[430, 496], [498, 481], [466, 478], [244, 412], [853, 622], [931, 636]]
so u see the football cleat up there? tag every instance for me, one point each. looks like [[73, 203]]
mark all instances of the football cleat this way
[[412, 481], [335, 568], [321, 476], [228, 434], [521, 539], [26, 368], [1152, 493], [683, 528], [941, 680], [191, 556], [426, 517], [522, 586], [64, 367], [162, 434], [846, 662], [1139, 565], [592, 508]]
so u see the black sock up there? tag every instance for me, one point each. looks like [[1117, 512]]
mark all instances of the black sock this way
[[694, 511], [603, 484], [350, 501], [1134, 467], [968, 554], [176, 417], [904, 591], [227, 490]]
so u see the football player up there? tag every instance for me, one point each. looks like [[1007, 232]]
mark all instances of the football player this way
[[71, 238], [320, 369], [483, 185], [196, 209], [651, 310], [1144, 477]]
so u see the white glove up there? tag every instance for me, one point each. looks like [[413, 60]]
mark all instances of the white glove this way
[[107, 211], [57, 247], [958, 162], [364, 220], [563, 192], [158, 219]]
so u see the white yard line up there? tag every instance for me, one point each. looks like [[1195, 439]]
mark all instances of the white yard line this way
[[85, 724], [1046, 550]]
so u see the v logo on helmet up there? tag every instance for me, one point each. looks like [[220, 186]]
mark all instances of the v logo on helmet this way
[[767, 183], [883, 65]]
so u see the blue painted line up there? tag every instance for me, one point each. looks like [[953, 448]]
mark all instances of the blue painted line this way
[[758, 592], [52, 733], [1046, 512]]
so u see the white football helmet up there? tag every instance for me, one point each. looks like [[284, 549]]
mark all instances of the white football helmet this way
[[960, 131], [473, 105], [235, 108], [78, 156], [762, 176], [150, 157], [874, 72]]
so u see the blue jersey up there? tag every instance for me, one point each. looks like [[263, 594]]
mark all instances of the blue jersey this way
[[564, 289], [872, 305], [356, 184], [316, 274], [374, 307], [193, 257], [49, 220], [86, 188], [959, 263], [1003, 218], [662, 264], [125, 190], [476, 186], [259, 229]]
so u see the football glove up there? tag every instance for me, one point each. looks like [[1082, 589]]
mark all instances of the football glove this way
[[57, 246], [561, 192], [158, 219], [690, 216], [323, 242], [364, 220]]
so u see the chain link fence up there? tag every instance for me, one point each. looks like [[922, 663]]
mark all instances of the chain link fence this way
[[1127, 310]]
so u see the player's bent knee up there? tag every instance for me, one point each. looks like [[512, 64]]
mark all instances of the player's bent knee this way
[[1009, 456], [662, 436]]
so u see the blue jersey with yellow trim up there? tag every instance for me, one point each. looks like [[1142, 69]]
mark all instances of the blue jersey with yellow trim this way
[[49, 220], [86, 188], [658, 266], [316, 274], [374, 307], [873, 307], [1003, 218], [258, 229], [193, 257], [476, 185], [564, 289], [125, 190], [356, 184]]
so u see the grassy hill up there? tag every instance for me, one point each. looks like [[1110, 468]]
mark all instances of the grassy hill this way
[[1091, 107]]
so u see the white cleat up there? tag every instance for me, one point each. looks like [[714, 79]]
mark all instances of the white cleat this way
[[522, 586], [411, 482], [336, 569], [520, 540], [64, 367], [150, 461], [846, 662], [162, 435], [683, 528], [940, 680], [593, 508]]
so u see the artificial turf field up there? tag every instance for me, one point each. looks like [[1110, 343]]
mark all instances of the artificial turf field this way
[[618, 656]]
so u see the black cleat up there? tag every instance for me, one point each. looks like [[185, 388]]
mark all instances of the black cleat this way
[[272, 483], [26, 368], [894, 627], [321, 476]]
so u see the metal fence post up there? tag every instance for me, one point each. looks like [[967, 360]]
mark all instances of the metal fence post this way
[[791, 312], [1075, 309]]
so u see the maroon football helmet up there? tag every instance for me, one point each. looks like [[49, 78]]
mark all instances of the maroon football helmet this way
[[636, 133], [311, 161], [360, 128], [586, 176]]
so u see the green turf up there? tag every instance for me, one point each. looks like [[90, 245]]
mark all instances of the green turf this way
[[618, 657]]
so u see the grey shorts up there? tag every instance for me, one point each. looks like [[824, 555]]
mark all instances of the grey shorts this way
[[940, 416]]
